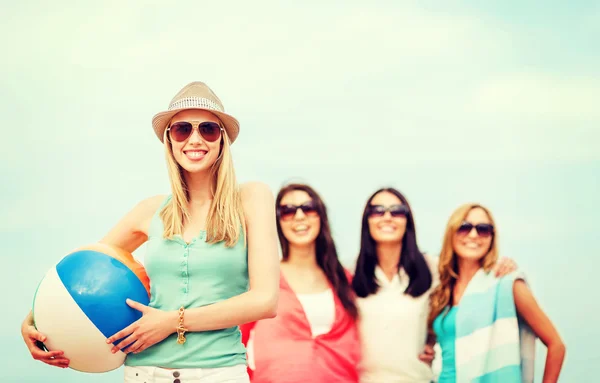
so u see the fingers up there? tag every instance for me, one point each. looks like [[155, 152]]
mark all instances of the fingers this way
[[127, 331], [31, 333], [35, 334], [34, 341], [136, 305], [504, 266], [426, 358], [502, 270], [52, 358], [36, 351], [41, 354], [428, 354], [61, 362], [135, 347], [497, 268], [122, 345], [510, 266]]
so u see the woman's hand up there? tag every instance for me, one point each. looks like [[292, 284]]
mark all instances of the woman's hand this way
[[428, 355], [32, 338], [154, 326], [504, 266]]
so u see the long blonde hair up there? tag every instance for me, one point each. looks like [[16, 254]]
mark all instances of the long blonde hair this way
[[225, 220], [448, 266]]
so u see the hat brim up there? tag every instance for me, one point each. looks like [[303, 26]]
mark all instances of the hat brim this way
[[230, 123]]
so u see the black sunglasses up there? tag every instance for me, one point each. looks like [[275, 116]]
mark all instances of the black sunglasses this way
[[483, 230], [287, 212], [395, 210]]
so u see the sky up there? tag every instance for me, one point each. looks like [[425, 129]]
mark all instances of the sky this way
[[449, 102]]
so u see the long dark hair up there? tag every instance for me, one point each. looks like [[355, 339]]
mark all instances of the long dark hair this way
[[411, 259], [326, 253]]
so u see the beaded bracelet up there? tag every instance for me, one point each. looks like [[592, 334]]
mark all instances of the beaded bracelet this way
[[180, 329]]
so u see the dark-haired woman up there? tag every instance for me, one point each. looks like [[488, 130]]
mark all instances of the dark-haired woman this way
[[393, 281], [314, 336]]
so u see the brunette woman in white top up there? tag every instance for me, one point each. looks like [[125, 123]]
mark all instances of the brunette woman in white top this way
[[393, 281], [314, 336]]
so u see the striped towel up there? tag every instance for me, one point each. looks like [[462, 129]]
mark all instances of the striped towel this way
[[493, 345]]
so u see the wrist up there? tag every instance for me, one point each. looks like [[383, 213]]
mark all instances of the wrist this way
[[28, 322], [173, 321], [181, 330]]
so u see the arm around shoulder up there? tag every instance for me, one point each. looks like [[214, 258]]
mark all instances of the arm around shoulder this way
[[263, 254]]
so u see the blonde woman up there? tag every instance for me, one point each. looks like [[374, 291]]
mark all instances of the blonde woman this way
[[486, 327], [212, 255]]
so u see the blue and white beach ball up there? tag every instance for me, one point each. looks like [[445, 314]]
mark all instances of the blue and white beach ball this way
[[81, 301]]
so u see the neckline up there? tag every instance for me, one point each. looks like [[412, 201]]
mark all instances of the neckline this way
[[327, 291], [300, 307], [200, 236], [381, 276]]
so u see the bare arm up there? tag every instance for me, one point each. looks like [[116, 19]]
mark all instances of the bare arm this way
[[260, 301], [541, 325], [132, 230], [129, 233]]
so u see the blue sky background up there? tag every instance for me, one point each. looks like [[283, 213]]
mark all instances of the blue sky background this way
[[448, 101]]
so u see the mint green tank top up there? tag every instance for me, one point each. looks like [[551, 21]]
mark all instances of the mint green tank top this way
[[193, 275]]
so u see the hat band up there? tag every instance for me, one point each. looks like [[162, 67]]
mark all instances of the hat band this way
[[195, 102]]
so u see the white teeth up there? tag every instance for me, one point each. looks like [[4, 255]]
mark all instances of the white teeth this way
[[195, 154], [387, 229], [471, 245], [301, 228]]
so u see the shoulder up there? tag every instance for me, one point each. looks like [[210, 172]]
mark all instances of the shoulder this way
[[151, 204], [258, 203], [509, 280], [256, 194], [254, 189], [146, 208]]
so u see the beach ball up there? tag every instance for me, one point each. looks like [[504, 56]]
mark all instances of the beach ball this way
[[81, 301]]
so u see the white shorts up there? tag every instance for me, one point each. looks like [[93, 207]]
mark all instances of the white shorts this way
[[233, 374]]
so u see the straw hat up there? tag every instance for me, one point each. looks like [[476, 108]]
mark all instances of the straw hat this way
[[196, 95]]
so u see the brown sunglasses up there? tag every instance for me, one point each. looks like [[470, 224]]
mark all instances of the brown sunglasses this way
[[182, 130], [287, 212]]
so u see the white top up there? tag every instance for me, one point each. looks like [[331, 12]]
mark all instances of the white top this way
[[319, 309], [393, 329]]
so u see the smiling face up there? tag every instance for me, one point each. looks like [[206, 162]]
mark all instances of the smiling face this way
[[195, 153], [300, 222], [391, 226], [473, 239]]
